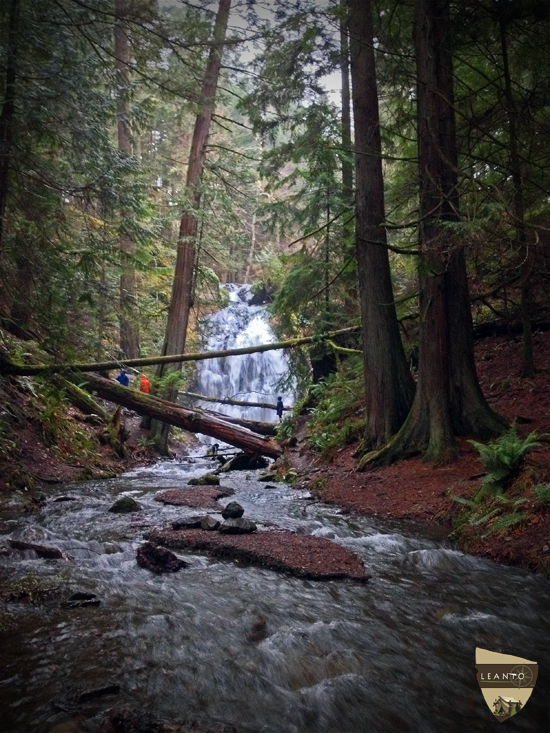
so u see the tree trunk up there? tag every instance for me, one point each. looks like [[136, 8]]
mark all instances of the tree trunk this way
[[129, 327], [448, 398], [182, 287], [528, 369], [256, 426], [347, 162], [7, 115], [194, 421], [388, 382]]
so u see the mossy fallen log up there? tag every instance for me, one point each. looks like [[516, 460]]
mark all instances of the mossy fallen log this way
[[182, 417]]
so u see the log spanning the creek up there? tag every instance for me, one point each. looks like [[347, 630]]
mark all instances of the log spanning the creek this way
[[192, 420], [7, 367], [235, 403]]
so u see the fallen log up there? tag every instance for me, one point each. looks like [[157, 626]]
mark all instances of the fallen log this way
[[257, 426], [229, 401], [182, 417], [8, 367]]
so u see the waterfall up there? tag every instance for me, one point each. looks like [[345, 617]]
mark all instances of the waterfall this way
[[250, 377]]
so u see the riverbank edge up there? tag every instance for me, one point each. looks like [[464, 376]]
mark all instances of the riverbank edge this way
[[427, 509]]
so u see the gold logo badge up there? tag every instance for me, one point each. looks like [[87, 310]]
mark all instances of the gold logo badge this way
[[506, 681]]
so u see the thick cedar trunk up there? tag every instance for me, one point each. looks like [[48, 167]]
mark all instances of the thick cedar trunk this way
[[528, 369], [7, 115], [129, 329], [194, 421], [448, 398], [182, 287], [347, 163], [388, 382], [7, 367]]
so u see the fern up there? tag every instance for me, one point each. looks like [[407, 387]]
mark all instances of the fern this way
[[542, 493], [508, 520], [502, 457]]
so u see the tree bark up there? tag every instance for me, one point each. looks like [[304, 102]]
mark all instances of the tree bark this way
[[388, 382], [8, 113], [528, 369], [448, 398], [129, 326], [194, 421], [256, 426], [8, 367], [182, 287]]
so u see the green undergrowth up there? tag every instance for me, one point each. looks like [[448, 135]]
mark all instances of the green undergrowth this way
[[338, 416], [510, 492]]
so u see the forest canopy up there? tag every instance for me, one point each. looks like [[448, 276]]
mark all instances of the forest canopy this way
[[377, 164]]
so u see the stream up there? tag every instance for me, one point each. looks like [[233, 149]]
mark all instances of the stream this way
[[221, 641]]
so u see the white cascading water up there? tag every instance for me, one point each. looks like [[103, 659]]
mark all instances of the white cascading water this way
[[248, 378]]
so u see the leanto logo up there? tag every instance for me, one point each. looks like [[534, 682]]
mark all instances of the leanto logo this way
[[506, 681]]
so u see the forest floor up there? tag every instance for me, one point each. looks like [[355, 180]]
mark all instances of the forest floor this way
[[419, 492]]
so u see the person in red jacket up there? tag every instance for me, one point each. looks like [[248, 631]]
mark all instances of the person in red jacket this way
[[144, 385]]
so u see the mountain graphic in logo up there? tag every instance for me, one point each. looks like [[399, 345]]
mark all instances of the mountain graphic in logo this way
[[506, 681]]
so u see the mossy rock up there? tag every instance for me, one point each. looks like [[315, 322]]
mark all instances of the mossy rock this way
[[269, 477], [208, 479], [125, 505]]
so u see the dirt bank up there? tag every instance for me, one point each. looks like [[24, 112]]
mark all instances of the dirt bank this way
[[421, 492]]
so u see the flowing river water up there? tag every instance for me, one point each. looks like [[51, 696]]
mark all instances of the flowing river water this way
[[248, 646], [266, 652]]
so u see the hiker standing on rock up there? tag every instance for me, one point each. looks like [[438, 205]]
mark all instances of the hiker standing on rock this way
[[280, 407]]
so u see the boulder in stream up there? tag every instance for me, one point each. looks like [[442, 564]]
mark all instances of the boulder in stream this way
[[209, 523], [125, 505], [158, 559], [81, 600], [204, 496], [233, 510], [207, 479], [271, 476], [238, 526], [244, 462], [193, 522], [49, 553]]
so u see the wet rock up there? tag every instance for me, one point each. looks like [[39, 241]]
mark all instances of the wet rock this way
[[268, 477], [244, 462], [193, 522], [270, 486], [111, 548], [209, 523], [203, 497], [50, 553], [233, 510], [68, 726], [258, 631], [64, 498], [81, 599], [208, 479], [113, 689], [125, 505], [158, 559], [126, 720], [238, 526]]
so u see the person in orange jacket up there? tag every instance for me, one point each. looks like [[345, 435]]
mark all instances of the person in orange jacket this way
[[144, 385]]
